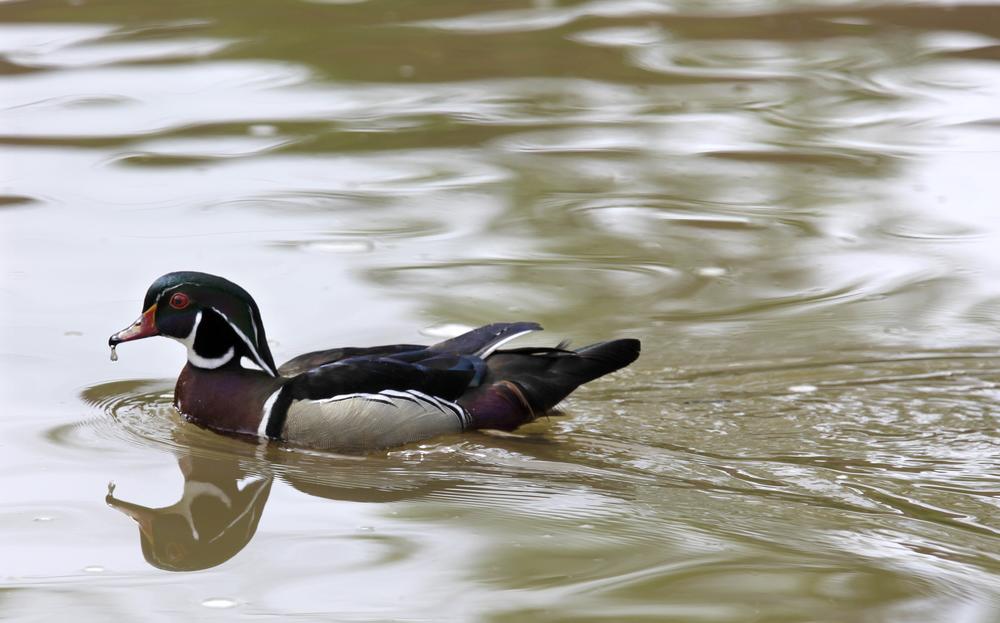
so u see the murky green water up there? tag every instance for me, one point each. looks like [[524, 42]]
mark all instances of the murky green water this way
[[793, 204]]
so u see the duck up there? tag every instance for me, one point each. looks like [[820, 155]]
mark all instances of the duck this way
[[354, 399]]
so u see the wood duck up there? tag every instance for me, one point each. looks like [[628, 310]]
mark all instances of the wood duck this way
[[354, 399]]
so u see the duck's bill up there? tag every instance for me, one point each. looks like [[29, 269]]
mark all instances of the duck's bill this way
[[141, 514], [144, 326]]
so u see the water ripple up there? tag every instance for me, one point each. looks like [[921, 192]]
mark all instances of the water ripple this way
[[789, 203]]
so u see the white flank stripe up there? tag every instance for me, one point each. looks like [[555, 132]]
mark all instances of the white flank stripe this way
[[372, 397], [437, 402], [398, 394], [266, 415], [493, 347], [442, 405], [423, 398]]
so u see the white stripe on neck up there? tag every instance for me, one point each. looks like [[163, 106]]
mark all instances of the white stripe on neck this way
[[197, 360], [246, 340]]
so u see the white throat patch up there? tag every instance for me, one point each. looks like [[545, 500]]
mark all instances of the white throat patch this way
[[197, 360]]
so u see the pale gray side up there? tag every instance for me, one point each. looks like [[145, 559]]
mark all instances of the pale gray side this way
[[359, 422]]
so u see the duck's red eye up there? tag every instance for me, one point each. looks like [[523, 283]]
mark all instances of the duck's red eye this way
[[179, 300]]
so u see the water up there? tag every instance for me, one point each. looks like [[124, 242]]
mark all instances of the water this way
[[792, 204]]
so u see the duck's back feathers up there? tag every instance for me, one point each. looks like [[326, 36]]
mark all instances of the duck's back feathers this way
[[315, 359], [480, 342]]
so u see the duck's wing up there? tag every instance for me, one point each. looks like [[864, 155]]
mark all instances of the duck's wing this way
[[444, 376], [315, 359], [480, 342]]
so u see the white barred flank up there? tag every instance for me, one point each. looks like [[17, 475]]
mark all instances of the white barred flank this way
[[375, 397], [365, 421], [411, 394]]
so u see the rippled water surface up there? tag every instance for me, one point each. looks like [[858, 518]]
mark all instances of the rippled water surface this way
[[793, 205]]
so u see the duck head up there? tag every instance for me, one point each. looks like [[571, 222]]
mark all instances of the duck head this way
[[217, 320]]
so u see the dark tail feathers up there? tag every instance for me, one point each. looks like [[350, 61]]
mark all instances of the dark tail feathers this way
[[545, 388], [522, 384]]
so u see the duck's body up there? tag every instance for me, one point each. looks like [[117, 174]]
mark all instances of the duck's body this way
[[354, 399]]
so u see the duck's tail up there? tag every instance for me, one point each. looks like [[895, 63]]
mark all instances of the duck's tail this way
[[522, 384]]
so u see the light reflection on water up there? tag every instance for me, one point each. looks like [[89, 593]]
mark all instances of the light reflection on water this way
[[790, 205]]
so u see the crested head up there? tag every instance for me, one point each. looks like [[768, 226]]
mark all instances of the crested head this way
[[172, 280], [217, 320]]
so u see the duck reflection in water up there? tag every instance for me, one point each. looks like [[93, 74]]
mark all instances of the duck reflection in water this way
[[224, 497], [214, 519]]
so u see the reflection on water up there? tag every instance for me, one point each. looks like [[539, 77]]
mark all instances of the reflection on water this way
[[215, 518], [791, 203]]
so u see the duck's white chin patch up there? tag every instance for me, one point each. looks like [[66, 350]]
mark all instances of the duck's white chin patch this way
[[197, 360]]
